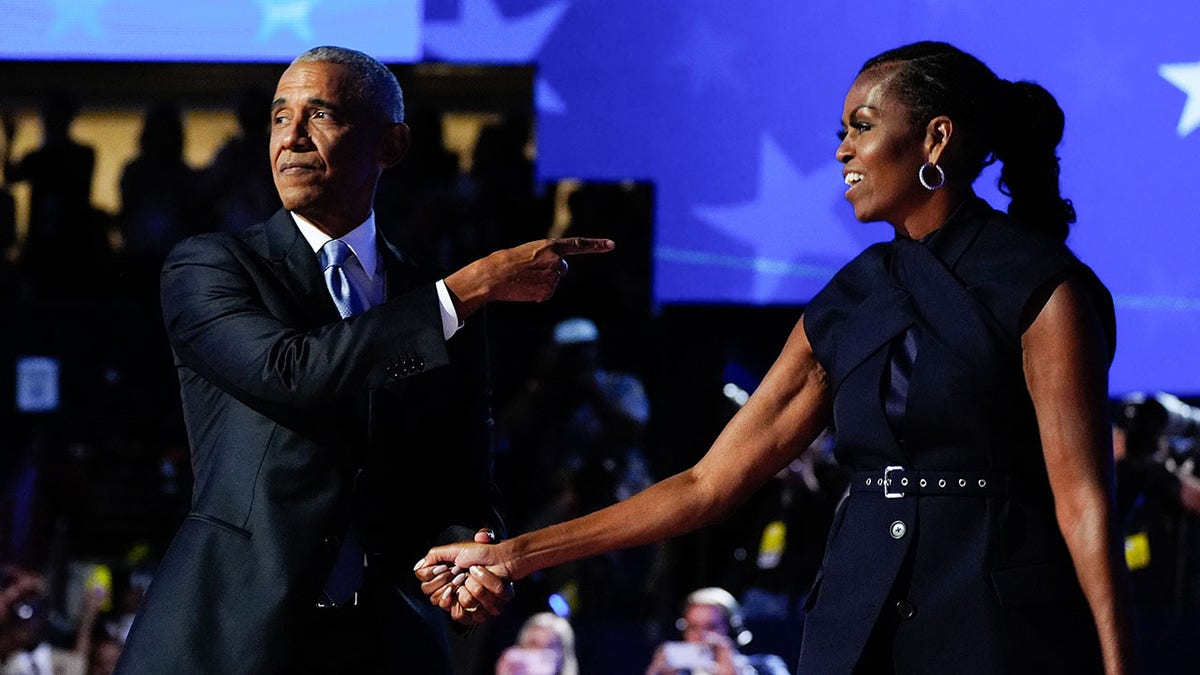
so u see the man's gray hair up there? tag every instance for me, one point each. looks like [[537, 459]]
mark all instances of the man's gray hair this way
[[372, 83]]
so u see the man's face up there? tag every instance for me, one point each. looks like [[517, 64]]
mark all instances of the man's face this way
[[327, 150]]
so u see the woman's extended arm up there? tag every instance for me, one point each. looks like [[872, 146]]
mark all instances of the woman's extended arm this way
[[786, 413], [1066, 369]]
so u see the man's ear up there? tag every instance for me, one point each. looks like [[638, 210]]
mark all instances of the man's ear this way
[[396, 140], [938, 136]]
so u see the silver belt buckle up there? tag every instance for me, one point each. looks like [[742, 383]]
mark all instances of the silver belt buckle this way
[[887, 483]]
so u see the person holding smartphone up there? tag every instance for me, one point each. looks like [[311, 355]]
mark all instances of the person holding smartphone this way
[[545, 646], [713, 636]]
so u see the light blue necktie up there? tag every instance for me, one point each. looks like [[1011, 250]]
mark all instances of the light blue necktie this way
[[333, 257], [345, 578]]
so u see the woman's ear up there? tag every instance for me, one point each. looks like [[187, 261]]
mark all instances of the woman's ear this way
[[938, 135]]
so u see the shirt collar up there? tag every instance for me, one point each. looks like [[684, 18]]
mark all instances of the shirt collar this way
[[361, 240]]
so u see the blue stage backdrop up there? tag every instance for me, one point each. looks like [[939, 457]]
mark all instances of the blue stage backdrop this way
[[730, 108]]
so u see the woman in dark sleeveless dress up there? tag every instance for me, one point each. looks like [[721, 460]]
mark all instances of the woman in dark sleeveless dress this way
[[963, 366]]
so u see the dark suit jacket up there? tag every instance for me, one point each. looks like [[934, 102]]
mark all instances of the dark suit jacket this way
[[987, 583], [284, 404]]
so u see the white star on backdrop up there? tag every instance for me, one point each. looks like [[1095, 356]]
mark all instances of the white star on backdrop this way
[[482, 34], [293, 14], [791, 217], [1186, 76], [83, 14], [547, 99], [708, 58]]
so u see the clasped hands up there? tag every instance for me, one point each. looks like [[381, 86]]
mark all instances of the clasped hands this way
[[466, 579]]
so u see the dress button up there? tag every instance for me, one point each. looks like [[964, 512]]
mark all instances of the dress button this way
[[905, 609], [898, 529]]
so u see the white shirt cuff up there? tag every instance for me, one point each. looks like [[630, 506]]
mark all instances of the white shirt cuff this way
[[450, 322]]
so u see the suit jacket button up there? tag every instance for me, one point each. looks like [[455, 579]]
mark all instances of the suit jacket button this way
[[898, 529], [905, 609]]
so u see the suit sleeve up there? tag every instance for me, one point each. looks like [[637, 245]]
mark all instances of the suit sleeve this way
[[233, 322]]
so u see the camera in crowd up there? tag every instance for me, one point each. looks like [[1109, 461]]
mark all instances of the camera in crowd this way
[[28, 607], [1159, 427]]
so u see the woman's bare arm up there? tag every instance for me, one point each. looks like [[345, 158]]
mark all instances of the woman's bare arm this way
[[1066, 369], [785, 414]]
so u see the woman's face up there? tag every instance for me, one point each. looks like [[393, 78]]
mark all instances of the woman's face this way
[[702, 620], [880, 152]]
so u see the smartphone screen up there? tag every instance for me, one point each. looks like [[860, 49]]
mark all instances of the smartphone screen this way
[[526, 661], [687, 655]]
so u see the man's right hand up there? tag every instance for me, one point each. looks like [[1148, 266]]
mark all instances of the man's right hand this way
[[527, 273]]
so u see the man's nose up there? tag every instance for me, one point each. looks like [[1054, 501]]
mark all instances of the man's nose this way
[[295, 134]]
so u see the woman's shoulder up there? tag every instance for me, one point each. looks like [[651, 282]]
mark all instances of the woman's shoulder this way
[[858, 277], [849, 288], [1009, 252], [1014, 267]]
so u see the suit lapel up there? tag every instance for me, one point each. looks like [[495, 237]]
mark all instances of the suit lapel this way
[[296, 266], [401, 274]]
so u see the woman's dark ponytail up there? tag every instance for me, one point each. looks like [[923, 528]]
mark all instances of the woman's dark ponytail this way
[[1018, 123], [1027, 127]]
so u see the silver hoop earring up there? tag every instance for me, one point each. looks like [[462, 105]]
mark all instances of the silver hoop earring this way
[[924, 183]]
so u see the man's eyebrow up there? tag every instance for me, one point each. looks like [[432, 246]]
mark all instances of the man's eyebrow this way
[[323, 103], [315, 102]]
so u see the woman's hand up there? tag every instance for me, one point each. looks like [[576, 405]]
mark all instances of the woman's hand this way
[[456, 577]]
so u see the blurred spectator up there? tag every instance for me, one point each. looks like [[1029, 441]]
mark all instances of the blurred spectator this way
[[778, 542], [503, 201], [8, 206], [545, 646], [617, 295], [159, 204], [420, 205], [26, 647], [577, 423], [1156, 446], [12, 286], [66, 237], [713, 636], [571, 442], [105, 652], [237, 183]]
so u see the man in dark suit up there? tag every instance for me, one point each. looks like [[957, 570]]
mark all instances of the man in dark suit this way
[[328, 385]]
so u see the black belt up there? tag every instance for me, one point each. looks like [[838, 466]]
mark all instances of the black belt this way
[[895, 482]]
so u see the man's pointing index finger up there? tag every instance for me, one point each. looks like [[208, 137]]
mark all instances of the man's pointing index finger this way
[[578, 245]]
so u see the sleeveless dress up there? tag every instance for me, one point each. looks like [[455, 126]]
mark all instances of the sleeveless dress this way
[[950, 560]]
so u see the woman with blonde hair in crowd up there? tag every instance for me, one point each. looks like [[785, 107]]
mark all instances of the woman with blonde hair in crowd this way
[[545, 646]]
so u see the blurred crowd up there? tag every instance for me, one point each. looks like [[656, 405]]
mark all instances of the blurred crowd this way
[[596, 395]]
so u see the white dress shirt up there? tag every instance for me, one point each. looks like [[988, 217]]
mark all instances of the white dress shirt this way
[[364, 271]]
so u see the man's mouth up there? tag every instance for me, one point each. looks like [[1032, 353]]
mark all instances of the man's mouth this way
[[291, 168], [852, 178]]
